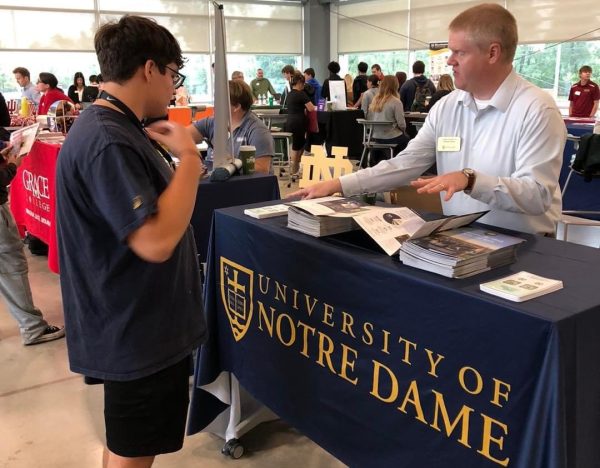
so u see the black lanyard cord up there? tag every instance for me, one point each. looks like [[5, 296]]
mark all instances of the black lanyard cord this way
[[139, 125]]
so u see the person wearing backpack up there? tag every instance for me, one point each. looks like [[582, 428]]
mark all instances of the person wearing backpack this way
[[417, 91]]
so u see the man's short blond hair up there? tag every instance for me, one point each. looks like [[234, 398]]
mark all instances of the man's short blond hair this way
[[488, 23]]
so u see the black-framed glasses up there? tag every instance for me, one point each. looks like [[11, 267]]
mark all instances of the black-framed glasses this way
[[178, 79]]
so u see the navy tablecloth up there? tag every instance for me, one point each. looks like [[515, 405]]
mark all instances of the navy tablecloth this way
[[385, 365]]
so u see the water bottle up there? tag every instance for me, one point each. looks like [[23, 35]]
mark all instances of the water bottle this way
[[271, 101], [24, 110]]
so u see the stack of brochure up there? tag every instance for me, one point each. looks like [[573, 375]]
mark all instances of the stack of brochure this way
[[460, 252], [388, 226], [521, 286], [271, 211]]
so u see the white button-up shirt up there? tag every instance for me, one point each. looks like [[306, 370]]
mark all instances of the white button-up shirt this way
[[515, 145]]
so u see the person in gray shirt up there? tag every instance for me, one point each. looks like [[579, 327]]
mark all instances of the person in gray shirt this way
[[369, 94], [28, 89], [387, 107], [246, 128]]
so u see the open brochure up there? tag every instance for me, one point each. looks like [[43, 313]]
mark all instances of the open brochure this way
[[521, 286], [389, 226], [23, 138]]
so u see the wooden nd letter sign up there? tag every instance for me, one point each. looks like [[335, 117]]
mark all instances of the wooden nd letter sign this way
[[319, 167]]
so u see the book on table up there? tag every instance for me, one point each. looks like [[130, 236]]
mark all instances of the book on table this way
[[388, 226], [23, 139], [271, 211], [456, 250], [521, 286]]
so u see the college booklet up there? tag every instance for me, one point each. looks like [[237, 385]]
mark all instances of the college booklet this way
[[521, 286], [455, 250], [388, 226], [23, 138]]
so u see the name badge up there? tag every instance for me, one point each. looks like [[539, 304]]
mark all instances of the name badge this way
[[448, 144], [577, 93]]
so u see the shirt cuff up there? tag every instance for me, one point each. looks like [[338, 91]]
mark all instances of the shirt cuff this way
[[350, 185], [484, 185]]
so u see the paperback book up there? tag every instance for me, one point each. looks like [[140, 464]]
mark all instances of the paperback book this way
[[521, 286], [267, 211]]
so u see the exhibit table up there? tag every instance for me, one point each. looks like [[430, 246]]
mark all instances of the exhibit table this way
[[386, 365]]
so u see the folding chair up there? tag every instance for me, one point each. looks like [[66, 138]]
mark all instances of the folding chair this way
[[281, 157], [368, 144]]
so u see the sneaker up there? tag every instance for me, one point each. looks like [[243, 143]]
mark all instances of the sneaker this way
[[50, 333]]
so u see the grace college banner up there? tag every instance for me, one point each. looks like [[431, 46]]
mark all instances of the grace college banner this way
[[32, 197], [384, 365]]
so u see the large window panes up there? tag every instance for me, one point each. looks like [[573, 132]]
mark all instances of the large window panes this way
[[62, 64], [197, 79], [537, 64], [573, 55], [184, 7]]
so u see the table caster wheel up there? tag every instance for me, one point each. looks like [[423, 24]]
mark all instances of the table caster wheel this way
[[233, 448]]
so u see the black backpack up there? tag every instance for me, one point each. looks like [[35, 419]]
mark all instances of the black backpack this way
[[422, 96]]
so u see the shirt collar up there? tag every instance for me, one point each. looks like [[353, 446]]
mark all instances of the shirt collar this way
[[501, 98]]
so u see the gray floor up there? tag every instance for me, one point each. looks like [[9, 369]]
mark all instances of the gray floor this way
[[49, 418]]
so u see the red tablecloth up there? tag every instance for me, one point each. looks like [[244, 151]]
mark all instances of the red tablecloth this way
[[32, 197]]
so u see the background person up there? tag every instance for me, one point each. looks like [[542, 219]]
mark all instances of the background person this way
[[129, 274], [4, 114], [14, 280], [359, 85], [369, 94], [237, 75], [298, 104], [401, 77], [334, 69], [513, 172], [386, 106], [584, 95], [376, 70], [28, 89], [445, 87], [77, 90], [246, 128], [260, 85], [47, 85], [418, 83]]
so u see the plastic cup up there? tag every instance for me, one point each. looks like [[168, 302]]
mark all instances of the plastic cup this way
[[248, 156]]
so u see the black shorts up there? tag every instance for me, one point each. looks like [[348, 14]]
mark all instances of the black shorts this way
[[147, 416]]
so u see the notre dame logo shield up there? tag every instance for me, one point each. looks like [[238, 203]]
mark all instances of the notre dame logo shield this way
[[236, 291]]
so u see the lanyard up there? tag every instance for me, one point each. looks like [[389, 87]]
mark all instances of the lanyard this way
[[133, 119]]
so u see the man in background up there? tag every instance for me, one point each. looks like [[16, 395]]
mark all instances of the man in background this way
[[237, 75], [359, 85], [309, 77], [584, 95], [376, 70], [513, 173], [419, 87], [28, 89], [260, 85], [14, 281]]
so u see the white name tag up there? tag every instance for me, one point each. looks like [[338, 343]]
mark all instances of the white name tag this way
[[577, 93], [448, 144]]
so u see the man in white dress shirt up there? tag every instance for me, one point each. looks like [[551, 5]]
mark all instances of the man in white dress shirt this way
[[497, 140]]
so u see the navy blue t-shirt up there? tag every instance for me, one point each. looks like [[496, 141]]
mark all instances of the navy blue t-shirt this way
[[125, 318]]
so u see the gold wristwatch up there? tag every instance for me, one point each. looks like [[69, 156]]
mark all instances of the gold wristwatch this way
[[470, 175]]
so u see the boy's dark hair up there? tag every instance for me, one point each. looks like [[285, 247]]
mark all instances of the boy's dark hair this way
[[124, 46], [363, 67], [288, 69], [310, 71], [49, 79], [419, 67], [585, 68], [22, 71], [100, 79], [296, 78], [376, 66], [333, 67], [93, 79], [240, 93], [374, 79]]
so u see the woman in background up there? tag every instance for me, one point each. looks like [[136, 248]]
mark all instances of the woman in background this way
[[444, 87], [386, 106], [348, 80], [47, 85], [401, 77], [77, 90]]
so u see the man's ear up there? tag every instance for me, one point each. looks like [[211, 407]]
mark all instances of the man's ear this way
[[494, 52], [150, 68]]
